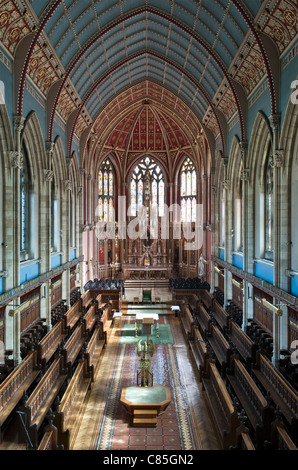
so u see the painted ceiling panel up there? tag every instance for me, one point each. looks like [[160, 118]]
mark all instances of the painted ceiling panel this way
[[104, 47]]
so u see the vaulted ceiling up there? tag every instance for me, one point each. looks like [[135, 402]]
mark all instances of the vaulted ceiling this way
[[140, 74]]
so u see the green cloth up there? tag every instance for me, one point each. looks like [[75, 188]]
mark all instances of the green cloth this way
[[146, 395], [128, 335]]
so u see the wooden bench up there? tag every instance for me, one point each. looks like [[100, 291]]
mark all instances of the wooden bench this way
[[74, 345], [244, 345], [252, 400], [50, 343], [49, 440], [281, 392], [221, 316], [37, 406], [204, 320], [199, 351], [86, 300], [243, 437], [94, 349], [221, 406], [186, 319], [220, 347], [72, 316], [69, 412], [280, 439], [105, 321], [89, 319], [206, 298], [14, 386]]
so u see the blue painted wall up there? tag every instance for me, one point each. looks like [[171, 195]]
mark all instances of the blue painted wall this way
[[264, 271], [72, 254], [294, 286], [222, 253], [238, 260], [28, 273], [56, 261]]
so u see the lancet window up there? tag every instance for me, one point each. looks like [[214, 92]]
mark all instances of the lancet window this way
[[188, 191], [147, 187], [106, 192]]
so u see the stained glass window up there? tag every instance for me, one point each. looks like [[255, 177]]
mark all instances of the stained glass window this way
[[147, 186], [269, 211], [24, 204], [106, 192], [188, 191]]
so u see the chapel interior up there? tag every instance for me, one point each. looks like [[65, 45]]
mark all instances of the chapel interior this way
[[148, 225]]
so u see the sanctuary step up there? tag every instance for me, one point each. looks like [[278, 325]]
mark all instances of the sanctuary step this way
[[145, 418]]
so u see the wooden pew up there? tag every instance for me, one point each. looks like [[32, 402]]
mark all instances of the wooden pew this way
[[207, 298], [244, 345], [47, 347], [204, 320], [105, 321], [49, 440], [280, 439], [14, 386], [86, 300], [243, 437], [37, 406], [252, 400], [94, 349], [221, 316], [100, 304], [281, 391], [186, 319], [69, 412], [89, 319], [220, 347], [221, 406], [74, 345], [199, 351], [72, 316]]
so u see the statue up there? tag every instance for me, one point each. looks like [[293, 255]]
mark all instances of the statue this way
[[145, 349], [201, 266]]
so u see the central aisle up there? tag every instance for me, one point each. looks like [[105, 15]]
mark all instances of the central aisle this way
[[185, 425]]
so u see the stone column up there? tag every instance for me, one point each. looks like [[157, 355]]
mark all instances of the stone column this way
[[228, 236], [16, 161], [245, 214]]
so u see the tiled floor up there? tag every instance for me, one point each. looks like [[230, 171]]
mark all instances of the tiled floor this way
[[186, 423]]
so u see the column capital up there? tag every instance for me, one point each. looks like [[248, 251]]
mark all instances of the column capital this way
[[18, 123], [245, 174], [48, 175], [16, 159], [275, 121], [277, 159]]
